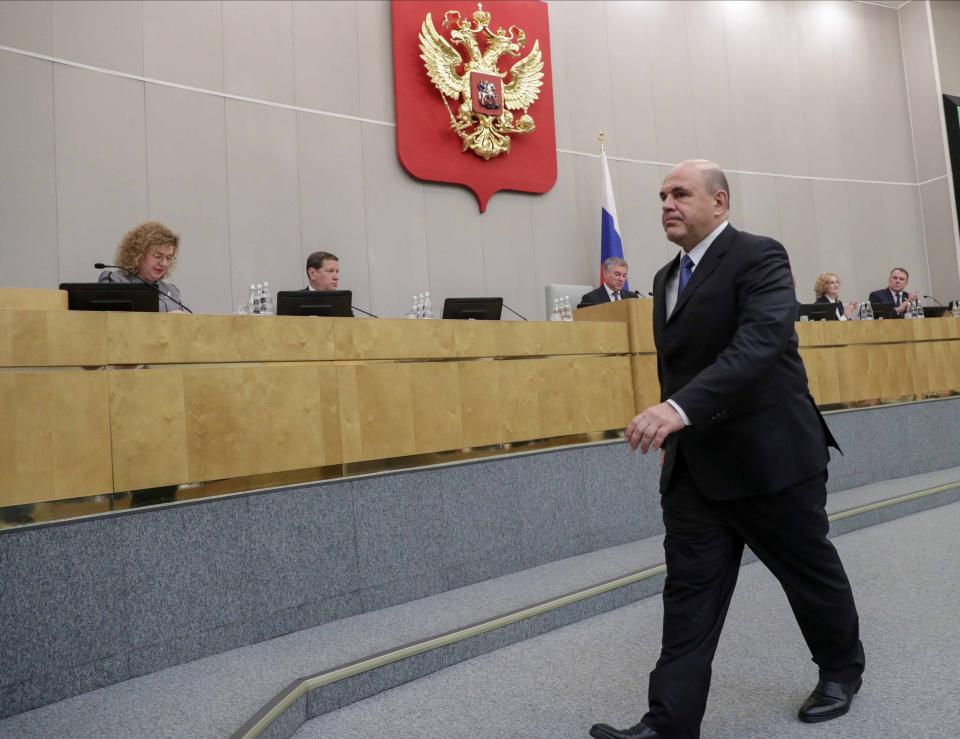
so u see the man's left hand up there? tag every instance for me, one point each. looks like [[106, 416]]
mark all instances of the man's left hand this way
[[653, 426]]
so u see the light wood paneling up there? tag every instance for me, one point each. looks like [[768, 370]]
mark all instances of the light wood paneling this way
[[55, 436], [27, 298], [646, 385], [179, 425], [480, 402], [637, 314], [149, 427], [151, 338], [52, 338], [376, 411]]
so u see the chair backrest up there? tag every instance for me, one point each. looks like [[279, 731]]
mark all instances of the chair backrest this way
[[574, 292]]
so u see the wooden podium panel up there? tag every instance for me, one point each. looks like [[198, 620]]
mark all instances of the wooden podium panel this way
[[28, 298], [636, 313], [55, 435], [173, 426], [39, 338], [173, 399], [180, 338]]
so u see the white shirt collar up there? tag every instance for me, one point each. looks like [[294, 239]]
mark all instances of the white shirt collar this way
[[609, 291], [697, 252]]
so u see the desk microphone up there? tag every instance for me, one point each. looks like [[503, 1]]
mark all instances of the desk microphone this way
[[513, 311], [101, 265], [353, 307], [930, 297]]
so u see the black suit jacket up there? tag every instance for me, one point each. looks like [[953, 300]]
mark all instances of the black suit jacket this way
[[599, 295], [728, 356], [839, 305], [885, 296]]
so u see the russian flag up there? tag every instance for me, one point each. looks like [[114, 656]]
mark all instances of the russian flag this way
[[610, 243]]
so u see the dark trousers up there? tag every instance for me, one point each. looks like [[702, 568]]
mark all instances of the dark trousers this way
[[703, 544]]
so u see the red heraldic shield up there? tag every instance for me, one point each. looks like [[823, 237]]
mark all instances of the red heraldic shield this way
[[428, 147]]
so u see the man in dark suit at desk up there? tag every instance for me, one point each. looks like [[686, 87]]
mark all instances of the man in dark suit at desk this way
[[895, 292], [744, 458], [323, 271], [614, 278]]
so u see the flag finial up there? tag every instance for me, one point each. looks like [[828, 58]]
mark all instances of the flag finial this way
[[601, 137]]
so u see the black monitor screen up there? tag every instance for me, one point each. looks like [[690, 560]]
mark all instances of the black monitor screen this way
[[819, 311], [315, 303], [884, 310], [111, 296], [481, 309]]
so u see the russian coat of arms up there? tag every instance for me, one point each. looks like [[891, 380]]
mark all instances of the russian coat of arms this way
[[485, 95]]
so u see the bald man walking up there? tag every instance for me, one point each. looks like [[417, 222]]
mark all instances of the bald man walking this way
[[744, 459]]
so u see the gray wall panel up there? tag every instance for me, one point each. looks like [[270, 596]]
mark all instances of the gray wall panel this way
[[183, 42], [798, 230], [27, 24], [941, 249], [325, 41], [264, 197], [818, 85], [332, 201], [102, 33], [258, 50], [671, 71], [101, 166], [854, 97], [749, 69], [890, 114], [187, 186], [454, 243], [395, 223], [28, 192], [584, 27], [375, 69], [837, 247], [634, 131], [925, 106], [557, 252], [509, 261], [946, 30], [710, 82], [761, 207]]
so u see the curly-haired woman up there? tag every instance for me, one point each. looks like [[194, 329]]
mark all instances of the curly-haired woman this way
[[827, 290], [149, 251]]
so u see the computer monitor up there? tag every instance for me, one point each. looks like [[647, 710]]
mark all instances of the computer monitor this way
[[884, 310], [111, 296], [819, 311], [315, 303], [481, 309]]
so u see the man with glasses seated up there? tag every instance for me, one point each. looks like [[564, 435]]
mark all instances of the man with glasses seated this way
[[149, 251]]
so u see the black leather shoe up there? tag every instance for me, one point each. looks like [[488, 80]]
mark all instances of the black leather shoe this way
[[828, 700], [638, 731]]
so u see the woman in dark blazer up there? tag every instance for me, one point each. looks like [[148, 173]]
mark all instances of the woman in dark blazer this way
[[827, 290]]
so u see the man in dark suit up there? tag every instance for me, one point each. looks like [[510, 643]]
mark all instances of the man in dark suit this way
[[323, 271], [744, 452], [895, 292], [614, 278]]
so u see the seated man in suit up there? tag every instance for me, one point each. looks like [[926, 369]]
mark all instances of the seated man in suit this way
[[614, 277], [896, 292], [323, 271]]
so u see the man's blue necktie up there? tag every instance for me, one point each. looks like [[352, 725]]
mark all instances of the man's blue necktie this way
[[686, 272]]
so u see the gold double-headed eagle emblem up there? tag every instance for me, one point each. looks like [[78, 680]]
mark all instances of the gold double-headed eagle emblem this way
[[486, 95]]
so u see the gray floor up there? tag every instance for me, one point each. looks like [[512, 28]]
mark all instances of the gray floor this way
[[907, 585]]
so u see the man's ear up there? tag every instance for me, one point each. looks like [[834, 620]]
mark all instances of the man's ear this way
[[721, 201]]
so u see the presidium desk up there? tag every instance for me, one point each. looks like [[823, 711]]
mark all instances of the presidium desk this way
[[96, 405]]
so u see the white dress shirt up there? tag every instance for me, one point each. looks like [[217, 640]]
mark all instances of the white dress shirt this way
[[673, 283]]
